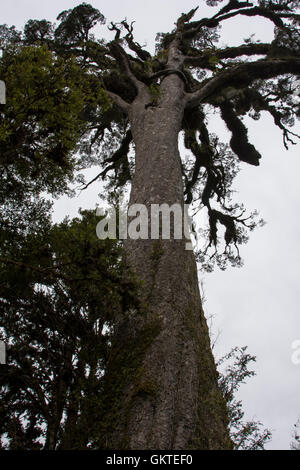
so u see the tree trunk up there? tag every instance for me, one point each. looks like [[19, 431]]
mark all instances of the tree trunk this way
[[161, 390]]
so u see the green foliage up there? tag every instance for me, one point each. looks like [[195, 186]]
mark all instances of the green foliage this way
[[38, 31], [76, 24], [246, 435], [48, 98], [9, 35], [61, 292], [41, 86]]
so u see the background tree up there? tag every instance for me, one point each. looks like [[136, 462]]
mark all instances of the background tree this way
[[165, 403], [246, 435], [61, 290]]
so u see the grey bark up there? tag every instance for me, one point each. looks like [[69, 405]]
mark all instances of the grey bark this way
[[168, 398]]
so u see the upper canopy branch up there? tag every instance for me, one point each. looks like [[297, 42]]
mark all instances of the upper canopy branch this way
[[242, 75], [133, 45], [255, 11], [120, 55], [233, 5], [200, 60], [234, 8]]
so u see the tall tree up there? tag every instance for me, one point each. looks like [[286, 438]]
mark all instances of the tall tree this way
[[161, 389]]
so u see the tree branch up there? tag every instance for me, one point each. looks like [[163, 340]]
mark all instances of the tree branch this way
[[119, 101], [118, 155], [228, 53], [255, 11], [241, 8], [134, 46], [120, 55], [233, 5], [259, 102], [243, 75]]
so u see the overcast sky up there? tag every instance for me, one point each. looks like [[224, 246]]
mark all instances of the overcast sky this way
[[256, 305]]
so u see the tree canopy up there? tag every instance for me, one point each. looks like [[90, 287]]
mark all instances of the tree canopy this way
[[78, 90], [62, 291]]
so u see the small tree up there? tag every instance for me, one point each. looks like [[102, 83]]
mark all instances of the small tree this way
[[246, 435], [295, 444]]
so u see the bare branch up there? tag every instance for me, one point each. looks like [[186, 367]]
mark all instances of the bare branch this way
[[114, 27], [133, 45], [186, 17]]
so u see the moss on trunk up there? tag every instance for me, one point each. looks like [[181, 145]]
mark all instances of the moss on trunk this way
[[161, 388]]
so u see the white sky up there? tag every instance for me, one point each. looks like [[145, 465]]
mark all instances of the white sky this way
[[258, 304]]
